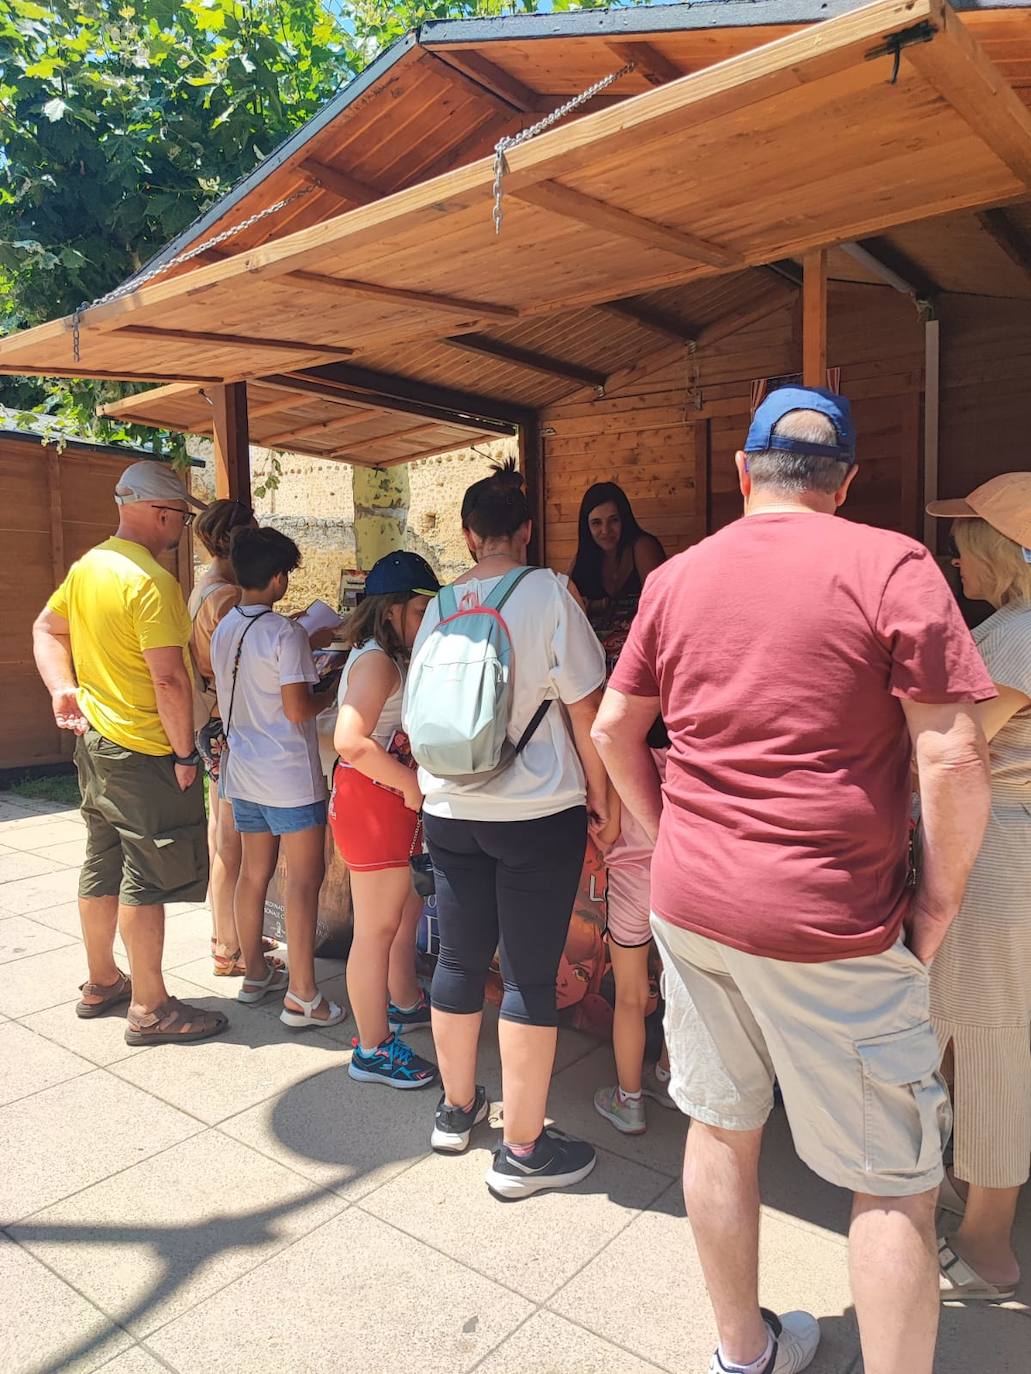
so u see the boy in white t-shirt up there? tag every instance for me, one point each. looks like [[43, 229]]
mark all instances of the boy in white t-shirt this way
[[271, 772]]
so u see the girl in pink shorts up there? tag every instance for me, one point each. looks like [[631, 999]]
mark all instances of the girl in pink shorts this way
[[630, 939]]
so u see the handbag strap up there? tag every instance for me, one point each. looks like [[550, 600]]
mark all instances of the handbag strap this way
[[236, 661], [416, 839]]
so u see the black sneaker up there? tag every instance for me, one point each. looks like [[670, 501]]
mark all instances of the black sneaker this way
[[452, 1126], [401, 1019], [557, 1161]]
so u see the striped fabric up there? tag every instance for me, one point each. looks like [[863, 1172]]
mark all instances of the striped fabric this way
[[981, 979]]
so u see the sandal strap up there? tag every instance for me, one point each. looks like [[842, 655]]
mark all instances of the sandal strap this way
[[307, 1007], [99, 990], [955, 1269], [174, 1015]]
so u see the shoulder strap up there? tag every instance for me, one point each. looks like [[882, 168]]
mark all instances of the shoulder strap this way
[[506, 587], [197, 601], [448, 598], [531, 729], [236, 661]]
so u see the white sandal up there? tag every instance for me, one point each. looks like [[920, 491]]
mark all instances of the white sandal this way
[[303, 1020], [253, 990]]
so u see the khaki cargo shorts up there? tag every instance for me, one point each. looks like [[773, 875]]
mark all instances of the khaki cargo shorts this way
[[146, 840], [849, 1042]]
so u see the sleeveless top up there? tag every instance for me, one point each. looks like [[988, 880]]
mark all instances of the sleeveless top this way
[[388, 733]]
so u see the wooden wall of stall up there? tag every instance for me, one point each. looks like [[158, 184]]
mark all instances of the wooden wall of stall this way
[[55, 506], [667, 429]]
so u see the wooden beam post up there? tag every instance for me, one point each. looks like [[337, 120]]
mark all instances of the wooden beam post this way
[[814, 318], [932, 386], [232, 442], [531, 465]]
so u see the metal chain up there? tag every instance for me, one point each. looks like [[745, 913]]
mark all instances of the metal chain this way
[[510, 141], [134, 283]]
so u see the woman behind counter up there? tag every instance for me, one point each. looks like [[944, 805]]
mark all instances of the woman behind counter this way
[[614, 555], [981, 978]]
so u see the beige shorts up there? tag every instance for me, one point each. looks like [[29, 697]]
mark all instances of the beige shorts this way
[[850, 1043]]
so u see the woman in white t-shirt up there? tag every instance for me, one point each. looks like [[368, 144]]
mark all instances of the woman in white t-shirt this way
[[507, 854], [374, 817]]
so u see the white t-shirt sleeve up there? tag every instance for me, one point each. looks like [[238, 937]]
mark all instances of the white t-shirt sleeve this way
[[295, 661], [576, 656]]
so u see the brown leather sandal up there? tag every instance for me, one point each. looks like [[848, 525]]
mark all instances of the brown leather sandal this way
[[228, 963], [116, 994], [174, 1023]]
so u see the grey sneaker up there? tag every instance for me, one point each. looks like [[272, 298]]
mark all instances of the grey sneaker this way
[[627, 1117], [795, 1338], [657, 1088]]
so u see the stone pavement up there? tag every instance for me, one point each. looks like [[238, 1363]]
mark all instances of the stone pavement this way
[[243, 1206]]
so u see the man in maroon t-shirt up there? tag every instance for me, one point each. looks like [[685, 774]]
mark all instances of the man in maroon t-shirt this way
[[800, 663]]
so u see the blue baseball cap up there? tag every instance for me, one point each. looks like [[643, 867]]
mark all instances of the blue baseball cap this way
[[402, 572], [788, 398]]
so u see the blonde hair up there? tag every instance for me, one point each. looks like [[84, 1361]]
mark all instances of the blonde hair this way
[[1007, 574]]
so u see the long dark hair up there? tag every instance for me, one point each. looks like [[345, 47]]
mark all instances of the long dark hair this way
[[587, 565]]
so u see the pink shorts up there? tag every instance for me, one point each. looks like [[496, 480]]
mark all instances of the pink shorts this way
[[628, 894]]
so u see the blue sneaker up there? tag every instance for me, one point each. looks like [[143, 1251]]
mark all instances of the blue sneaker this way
[[394, 1063], [402, 1020]]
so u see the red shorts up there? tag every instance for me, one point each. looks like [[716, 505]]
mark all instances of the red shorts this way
[[371, 825]]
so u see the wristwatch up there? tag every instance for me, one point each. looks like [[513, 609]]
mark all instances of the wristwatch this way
[[190, 761]]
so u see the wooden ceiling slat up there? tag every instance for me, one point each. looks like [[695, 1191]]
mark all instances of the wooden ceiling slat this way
[[340, 421], [1005, 232], [146, 331], [317, 281], [650, 319]]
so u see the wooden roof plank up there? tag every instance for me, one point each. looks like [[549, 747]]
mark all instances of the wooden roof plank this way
[[308, 350], [563, 200], [1009, 236], [961, 73], [652, 319]]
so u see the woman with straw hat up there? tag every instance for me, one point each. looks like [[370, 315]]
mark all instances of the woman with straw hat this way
[[981, 978]]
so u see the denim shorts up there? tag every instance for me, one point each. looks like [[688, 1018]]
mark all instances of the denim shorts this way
[[255, 818]]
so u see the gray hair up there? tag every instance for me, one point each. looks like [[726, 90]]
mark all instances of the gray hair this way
[[791, 473]]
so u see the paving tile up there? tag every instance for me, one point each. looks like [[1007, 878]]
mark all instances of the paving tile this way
[[572, 1104], [42, 980], [255, 1059], [550, 1345], [43, 835], [16, 865], [32, 1062], [54, 888], [347, 1136], [77, 1133], [429, 1312], [515, 1244], [28, 811], [646, 1292], [48, 1327], [187, 935], [134, 1361], [67, 852], [21, 936], [63, 916], [162, 1236]]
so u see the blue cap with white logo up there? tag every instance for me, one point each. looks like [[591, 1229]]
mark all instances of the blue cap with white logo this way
[[779, 403]]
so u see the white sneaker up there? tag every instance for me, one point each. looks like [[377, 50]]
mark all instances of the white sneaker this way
[[796, 1336]]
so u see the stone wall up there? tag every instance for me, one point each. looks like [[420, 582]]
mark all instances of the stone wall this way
[[313, 504]]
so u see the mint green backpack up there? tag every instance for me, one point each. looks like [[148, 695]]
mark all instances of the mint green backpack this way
[[458, 695]]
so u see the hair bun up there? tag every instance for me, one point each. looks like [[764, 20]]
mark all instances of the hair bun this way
[[505, 473]]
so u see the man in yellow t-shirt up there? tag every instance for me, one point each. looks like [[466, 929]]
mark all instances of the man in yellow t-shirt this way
[[111, 647]]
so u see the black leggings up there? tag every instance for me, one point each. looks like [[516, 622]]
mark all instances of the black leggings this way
[[509, 886]]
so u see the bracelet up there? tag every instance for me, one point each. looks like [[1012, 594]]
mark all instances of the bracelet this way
[[190, 761]]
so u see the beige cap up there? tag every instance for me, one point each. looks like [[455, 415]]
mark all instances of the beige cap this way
[[152, 481], [1004, 502]]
